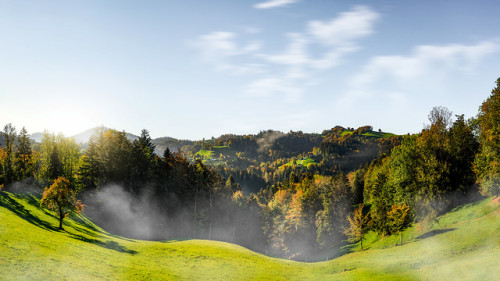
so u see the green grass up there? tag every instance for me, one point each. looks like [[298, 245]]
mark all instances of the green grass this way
[[206, 154], [212, 157], [465, 245], [306, 161], [372, 134], [220, 146]]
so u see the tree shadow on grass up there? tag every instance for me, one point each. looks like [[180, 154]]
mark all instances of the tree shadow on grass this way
[[12, 205], [112, 245], [86, 223], [34, 200], [434, 233], [337, 250], [174, 240]]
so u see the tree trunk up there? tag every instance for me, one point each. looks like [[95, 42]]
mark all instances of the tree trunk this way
[[227, 222], [361, 243], [61, 217], [400, 238], [210, 221], [194, 216]]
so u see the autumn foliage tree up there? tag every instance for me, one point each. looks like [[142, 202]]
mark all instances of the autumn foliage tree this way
[[487, 162], [400, 218], [359, 224], [60, 197]]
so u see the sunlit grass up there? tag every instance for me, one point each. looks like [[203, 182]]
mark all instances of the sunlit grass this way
[[464, 245], [372, 134], [207, 154]]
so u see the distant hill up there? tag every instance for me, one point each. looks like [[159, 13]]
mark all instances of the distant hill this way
[[84, 136], [37, 137], [173, 144]]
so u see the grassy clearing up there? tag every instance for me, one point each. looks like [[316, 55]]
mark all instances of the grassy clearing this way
[[306, 161], [465, 245], [373, 134], [220, 146], [213, 157], [206, 154]]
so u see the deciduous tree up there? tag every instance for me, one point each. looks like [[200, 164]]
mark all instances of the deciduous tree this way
[[400, 218], [359, 224], [61, 197], [487, 162]]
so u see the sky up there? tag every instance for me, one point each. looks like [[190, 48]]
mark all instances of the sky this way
[[194, 69]]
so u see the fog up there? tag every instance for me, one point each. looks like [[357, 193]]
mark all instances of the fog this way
[[120, 212], [144, 216], [268, 139]]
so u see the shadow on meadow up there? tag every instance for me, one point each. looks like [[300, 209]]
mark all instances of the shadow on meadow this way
[[434, 233], [6, 201], [10, 204], [112, 245], [174, 240]]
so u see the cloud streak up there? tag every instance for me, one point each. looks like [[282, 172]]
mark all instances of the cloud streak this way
[[274, 4], [220, 47], [424, 60], [321, 46], [338, 37], [396, 80]]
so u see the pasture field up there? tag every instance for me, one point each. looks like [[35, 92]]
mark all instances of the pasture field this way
[[463, 244]]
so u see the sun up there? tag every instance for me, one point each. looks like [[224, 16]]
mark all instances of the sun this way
[[70, 120]]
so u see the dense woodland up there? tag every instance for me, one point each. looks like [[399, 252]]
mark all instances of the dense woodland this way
[[286, 194]]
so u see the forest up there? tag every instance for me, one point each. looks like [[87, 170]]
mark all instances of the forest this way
[[284, 194]]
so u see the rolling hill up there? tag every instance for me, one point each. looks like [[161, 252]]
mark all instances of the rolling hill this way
[[463, 244], [83, 137]]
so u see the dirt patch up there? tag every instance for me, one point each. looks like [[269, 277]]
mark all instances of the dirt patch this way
[[496, 200]]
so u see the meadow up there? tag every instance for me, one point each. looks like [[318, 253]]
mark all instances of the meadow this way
[[463, 244]]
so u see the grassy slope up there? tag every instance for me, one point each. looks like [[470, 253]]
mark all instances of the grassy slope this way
[[465, 246], [373, 134], [306, 161]]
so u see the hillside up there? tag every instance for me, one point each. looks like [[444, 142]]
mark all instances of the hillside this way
[[463, 245], [83, 137]]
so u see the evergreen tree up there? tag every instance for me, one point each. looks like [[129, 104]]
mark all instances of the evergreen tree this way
[[89, 173], [9, 137], [23, 155], [143, 165], [463, 149]]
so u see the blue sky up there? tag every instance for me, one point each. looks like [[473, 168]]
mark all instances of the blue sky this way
[[195, 69]]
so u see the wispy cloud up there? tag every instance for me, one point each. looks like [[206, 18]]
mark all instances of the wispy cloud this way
[[219, 47], [345, 29], [395, 78], [295, 66], [274, 4], [425, 59], [274, 85], [338, 37]]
